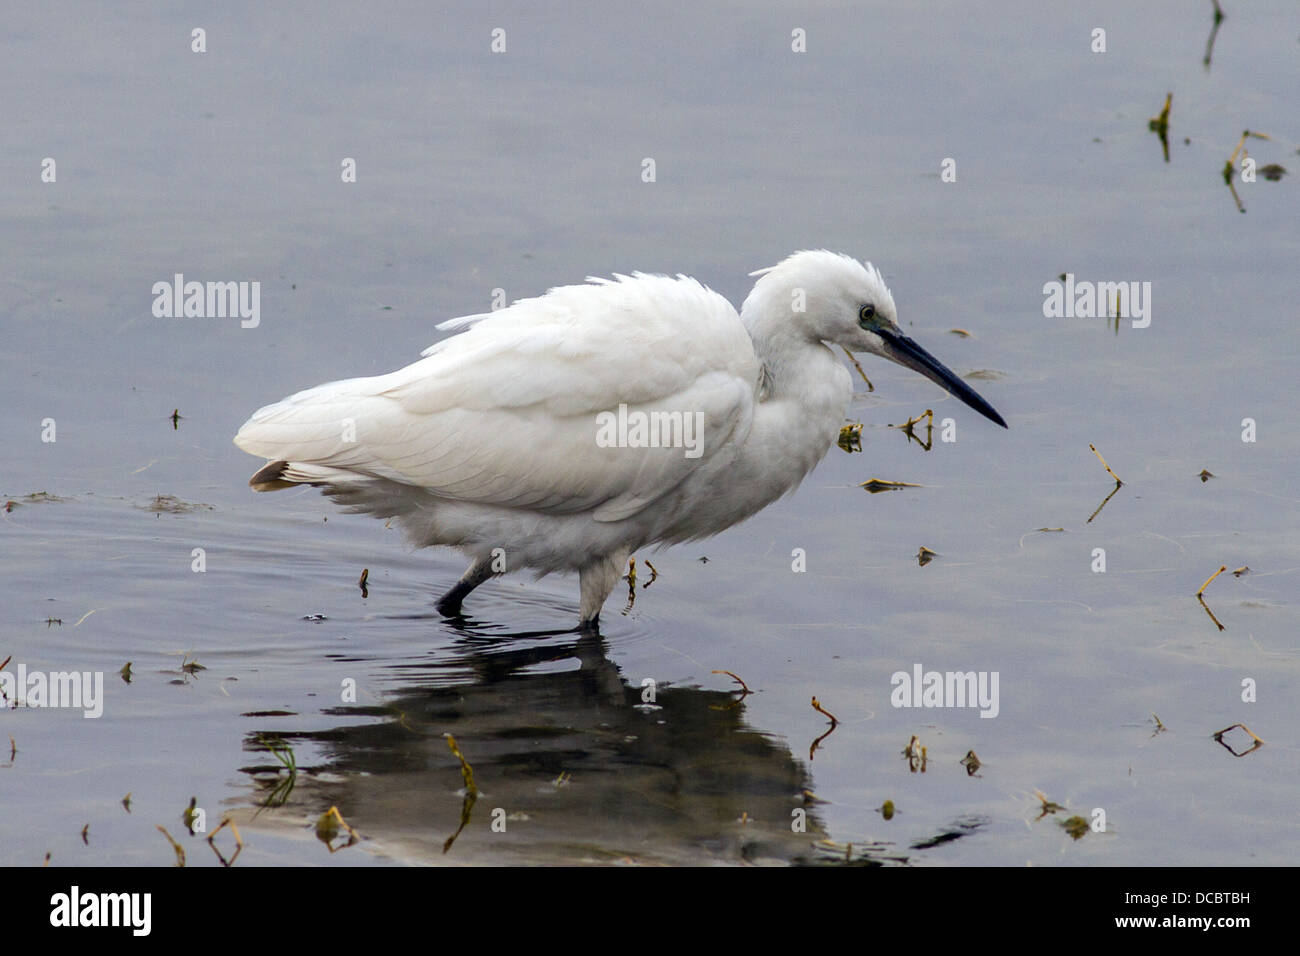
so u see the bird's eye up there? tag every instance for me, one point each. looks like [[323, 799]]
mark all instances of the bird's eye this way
[[866, 314]]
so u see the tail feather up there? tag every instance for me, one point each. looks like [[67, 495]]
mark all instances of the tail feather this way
[[275, 475], [414, 508]]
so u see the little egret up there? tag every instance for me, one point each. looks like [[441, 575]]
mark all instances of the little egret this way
[[567, 431]]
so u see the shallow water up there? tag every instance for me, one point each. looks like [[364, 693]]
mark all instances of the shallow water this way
[[522, 170]]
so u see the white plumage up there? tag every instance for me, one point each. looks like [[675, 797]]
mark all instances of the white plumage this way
[[491, 439]]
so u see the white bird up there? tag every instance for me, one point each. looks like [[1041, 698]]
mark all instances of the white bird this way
[[567, 431]]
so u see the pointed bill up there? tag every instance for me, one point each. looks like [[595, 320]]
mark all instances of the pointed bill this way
[[899, 348]]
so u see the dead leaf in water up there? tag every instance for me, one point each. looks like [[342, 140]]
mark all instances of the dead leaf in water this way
[[877, 485]]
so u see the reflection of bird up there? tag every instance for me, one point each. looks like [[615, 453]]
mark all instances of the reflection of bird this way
[[566, 431], [662, 782]]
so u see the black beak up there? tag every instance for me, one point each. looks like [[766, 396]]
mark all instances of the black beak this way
[[899, 348]]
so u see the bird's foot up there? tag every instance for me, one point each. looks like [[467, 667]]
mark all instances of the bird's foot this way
[[449, 607]]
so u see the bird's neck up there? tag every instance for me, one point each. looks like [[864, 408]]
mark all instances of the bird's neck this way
[[803, 397], [798, 368]]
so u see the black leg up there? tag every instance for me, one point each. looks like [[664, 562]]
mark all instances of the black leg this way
[[449, 604]]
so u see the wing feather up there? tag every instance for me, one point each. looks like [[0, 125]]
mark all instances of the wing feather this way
[[509, 411]]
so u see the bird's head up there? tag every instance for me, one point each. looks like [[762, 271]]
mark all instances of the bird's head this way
[[827, 297]]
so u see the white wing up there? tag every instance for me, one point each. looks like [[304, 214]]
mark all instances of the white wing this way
[[508, 412]]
